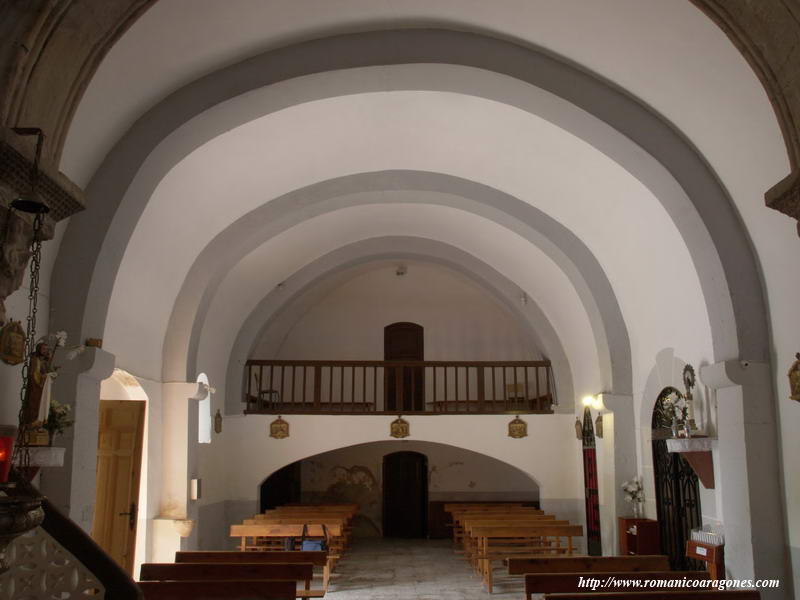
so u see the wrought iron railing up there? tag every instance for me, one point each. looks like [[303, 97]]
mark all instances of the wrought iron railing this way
[[375, 387]]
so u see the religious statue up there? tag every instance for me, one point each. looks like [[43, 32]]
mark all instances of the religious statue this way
[[279, 429], [38, 382], [794, 379], [517, 428]]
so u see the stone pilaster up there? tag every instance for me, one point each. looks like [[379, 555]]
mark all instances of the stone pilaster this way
[[748, 479]]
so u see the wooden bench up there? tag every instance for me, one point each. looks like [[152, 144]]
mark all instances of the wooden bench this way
[[303, 573], [587, 564], [318, 559], [218, 590], [459, 516], [337, 526], [501, 543], [315, 558], [671, 595], [548, 583], [253, 538], [469, 542]]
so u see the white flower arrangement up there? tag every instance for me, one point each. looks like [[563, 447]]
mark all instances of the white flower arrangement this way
[[677, 406], [634, 492]]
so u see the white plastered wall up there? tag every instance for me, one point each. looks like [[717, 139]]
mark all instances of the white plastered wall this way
[[461, 321]]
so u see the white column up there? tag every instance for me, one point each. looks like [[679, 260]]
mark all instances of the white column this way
[[747, 472], [618, 464], [178, 467]]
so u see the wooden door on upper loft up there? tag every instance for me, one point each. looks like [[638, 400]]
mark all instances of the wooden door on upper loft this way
[[404, 386]]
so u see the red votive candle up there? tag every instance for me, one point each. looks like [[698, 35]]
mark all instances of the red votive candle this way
[[6, 451]]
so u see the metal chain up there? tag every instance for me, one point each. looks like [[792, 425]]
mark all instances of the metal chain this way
[[22, 457]]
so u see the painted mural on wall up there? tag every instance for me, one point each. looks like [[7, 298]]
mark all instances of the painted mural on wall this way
[[344, 484]]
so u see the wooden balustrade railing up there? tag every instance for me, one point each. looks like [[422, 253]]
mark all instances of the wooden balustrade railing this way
[[370, 387]]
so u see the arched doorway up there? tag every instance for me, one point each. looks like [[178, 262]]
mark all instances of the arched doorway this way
[[405, 495], [677, 490], [402, 343], [282, 487], [121, 480]]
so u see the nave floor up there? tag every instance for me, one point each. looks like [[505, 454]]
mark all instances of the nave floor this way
[[399, 569]]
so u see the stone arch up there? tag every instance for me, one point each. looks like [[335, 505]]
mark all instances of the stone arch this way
[[714, 235], [251, 230]]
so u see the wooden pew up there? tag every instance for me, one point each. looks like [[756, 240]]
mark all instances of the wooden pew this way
[[548, 583], [318, 559], [303, 573], [501, 543], [275, 531], [250, 535], [470, 542], [671, 595], [234, 556], [587, 564], [332, 523], [488, 512], [218, 590], [343, 518]]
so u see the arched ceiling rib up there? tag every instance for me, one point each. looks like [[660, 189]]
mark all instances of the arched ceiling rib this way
[[255, 228], [628, 117], [656, 50]]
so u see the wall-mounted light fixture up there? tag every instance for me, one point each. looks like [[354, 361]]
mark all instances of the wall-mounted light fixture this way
[[595, 402], [195, 489], [218, 422]]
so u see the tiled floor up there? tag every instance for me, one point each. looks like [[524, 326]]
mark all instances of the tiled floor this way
[[394, 569]]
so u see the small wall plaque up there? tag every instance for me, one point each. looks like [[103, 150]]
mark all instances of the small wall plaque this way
[[399, 428], [794, 379], [12, 343], [517, 428], [598, 426], [279, 429]]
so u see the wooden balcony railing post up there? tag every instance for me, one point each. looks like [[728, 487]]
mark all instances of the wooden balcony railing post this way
[[481, 389], [547, 376], [398, 388], [446, 397], [317, 387]]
